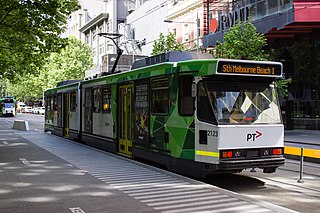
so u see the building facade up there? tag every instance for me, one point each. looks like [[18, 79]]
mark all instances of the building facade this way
[[186, 22], [143, 26]]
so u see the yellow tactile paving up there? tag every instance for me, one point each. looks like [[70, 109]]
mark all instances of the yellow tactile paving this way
[[312, 153]]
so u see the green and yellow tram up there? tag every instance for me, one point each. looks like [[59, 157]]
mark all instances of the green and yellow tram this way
[[187, 111]]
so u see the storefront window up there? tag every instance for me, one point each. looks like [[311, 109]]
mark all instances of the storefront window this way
[[305, 114], [260, 8]]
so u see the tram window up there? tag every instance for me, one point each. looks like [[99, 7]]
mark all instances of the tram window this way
[[48, 103], [59, 109], [186, 101], [204, 108], [106, 99], [97, 100], [160, 96], [73, 101], [54, 103]]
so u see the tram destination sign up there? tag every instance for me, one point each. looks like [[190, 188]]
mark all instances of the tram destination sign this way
[[248, 68]]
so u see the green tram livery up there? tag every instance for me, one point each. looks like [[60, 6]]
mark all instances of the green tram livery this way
[[191, 113]]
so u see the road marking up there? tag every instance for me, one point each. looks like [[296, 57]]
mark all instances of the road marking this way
[[5, 142], [24, 161], [76, 210], [8, 139]]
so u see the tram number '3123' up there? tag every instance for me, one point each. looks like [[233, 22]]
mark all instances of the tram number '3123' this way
[[212, 133]]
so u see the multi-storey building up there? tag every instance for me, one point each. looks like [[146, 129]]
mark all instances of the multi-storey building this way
[[185, 20], [143, 26]]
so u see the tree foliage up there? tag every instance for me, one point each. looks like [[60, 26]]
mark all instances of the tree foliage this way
[[29, 31], [167, 43], [243, 42], [282, 87], [70, 63]]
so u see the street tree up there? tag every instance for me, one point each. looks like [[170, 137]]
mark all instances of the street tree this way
[[166, 43], [29, 31], [243, 42], [70, 63]]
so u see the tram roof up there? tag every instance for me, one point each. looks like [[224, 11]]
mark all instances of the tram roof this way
[[172, 56]]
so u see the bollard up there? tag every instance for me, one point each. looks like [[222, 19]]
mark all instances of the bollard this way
[[301, 166]]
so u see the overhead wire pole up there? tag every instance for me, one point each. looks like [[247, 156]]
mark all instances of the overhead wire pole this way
[[113, 36], [198, 33]]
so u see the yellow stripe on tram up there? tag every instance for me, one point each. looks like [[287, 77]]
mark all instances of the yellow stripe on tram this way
[[207, 153], [312, 153]]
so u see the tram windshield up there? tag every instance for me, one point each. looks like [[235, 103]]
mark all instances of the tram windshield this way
[[238, 103], [9, 105]]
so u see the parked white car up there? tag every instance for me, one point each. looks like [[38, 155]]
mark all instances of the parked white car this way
[[28, 109], [39, 110]]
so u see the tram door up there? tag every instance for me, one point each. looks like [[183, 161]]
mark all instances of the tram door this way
[[66, 114], [125, 97], [88, 111]]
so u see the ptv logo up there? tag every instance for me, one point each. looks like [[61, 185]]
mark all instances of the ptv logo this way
[[253, 136]]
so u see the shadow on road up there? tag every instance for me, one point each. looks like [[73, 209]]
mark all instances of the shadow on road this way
[[235, 182]]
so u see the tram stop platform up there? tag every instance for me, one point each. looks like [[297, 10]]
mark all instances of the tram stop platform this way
[[45, 173], [308, 140]]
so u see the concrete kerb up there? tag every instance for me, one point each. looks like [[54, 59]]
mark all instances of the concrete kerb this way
[[21, 125]]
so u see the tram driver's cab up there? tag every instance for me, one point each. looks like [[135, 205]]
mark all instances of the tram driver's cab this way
[[240, 118]]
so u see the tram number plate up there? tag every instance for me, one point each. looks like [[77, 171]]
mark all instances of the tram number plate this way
[[212, 133]]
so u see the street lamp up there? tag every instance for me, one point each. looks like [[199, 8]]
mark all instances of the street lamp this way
[[197, 22], [113, 36]]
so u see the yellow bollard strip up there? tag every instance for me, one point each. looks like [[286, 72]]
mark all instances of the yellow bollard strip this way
[[312, 153]]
